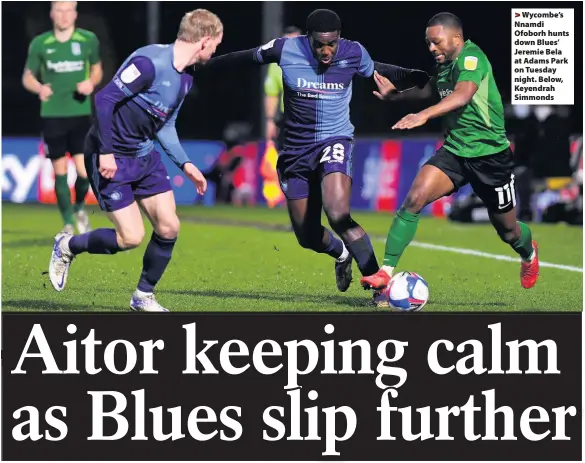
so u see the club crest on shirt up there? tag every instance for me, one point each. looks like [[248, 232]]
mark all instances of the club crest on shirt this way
[[75, 48]]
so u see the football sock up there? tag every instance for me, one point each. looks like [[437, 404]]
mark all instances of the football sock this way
[[64, 199], [156, 258], [524, 244], [334, 246], [100, 241], [400, 235], [363, 253], [81, 189]]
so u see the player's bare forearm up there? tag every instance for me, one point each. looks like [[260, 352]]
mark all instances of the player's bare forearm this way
[[270, 105], [461, 96], [96, 74], [30, 82]]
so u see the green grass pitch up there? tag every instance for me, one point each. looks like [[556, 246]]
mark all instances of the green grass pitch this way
[[230, 259]]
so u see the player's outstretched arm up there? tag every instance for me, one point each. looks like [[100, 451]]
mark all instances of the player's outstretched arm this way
[[402, 78], [462, 95], [388, 92], [266, 54]]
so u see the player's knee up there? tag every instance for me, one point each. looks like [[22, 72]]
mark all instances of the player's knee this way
[[169, 229], [130, 240], [339, 219], [415, 201], [509, 236]]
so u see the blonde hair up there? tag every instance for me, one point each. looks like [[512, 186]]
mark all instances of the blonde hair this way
[[53, 4], [197, 24]]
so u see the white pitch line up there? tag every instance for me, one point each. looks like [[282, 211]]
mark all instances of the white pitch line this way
[[473, 252]]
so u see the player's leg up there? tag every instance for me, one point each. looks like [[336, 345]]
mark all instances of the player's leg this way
[[303, 200], [115, 196], [76, 140], [160, 210], [55, 139], [441, 175], [336, 191], [127, 233], [492, 179], [156, 199]]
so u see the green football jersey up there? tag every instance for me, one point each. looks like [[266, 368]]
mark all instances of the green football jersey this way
[[273, 83], [476, 129], [64, 65]]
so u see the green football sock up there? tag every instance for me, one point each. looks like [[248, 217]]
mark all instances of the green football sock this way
[[64, 199], [524, 245], [400, 235], [81, 189]]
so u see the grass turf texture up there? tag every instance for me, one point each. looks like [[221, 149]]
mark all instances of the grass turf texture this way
[[229, 259]]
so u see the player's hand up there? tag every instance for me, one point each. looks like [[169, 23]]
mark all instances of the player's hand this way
[[411, 121], [385, 87], [108, 166], [85, 87], [46, 92], [271, 130], [196, 177]]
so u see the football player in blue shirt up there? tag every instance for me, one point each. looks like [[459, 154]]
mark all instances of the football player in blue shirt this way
[[315, 164], [140, 105]]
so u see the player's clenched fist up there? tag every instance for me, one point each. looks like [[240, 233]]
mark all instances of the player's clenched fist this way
[[196, 177], [108, 166]]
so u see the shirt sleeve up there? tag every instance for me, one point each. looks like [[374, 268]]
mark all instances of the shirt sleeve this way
[[169, 140], [94, 55], [34, 58], [270, 52], [273, 82], [135, 76], [366, 68], [472, 67]]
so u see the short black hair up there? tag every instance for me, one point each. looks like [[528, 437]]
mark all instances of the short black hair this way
[[292, 30], [323, 21], [446, 20]]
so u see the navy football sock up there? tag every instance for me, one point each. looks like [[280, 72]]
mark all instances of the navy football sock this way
[[363, 253], [100, 241], [156, 258], [334, 246]]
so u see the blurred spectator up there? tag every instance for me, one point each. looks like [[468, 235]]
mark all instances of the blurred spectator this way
[[552, 152], [523, 127]]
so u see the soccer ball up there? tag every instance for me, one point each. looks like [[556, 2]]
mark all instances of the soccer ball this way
[[407, 292]]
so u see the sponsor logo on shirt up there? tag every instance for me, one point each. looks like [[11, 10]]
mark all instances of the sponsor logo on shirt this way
[[304, 83], [130, 74], [65, 66], [470, 63]]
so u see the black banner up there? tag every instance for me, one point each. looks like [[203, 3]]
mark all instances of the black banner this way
[[291, 387]]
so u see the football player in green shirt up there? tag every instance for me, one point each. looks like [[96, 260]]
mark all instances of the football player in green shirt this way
[[273, 95], [476, 149], [63, 68]]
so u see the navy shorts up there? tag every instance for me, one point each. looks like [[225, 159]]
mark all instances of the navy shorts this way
[[299, 168], [135, 178]]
